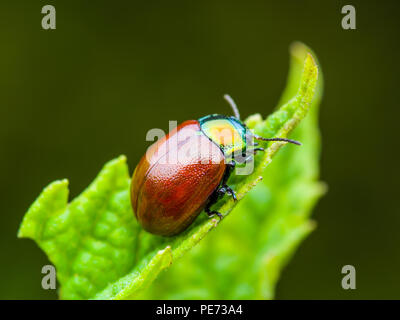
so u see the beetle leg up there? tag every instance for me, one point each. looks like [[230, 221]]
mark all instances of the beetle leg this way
[[251, 153], [229, 168], [221, 190], [224, 187], [231, 192], [227, 189], [212, 200], [212, 212], [258, 149]]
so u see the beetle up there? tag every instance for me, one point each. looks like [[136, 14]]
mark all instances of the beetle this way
[[186, 171]]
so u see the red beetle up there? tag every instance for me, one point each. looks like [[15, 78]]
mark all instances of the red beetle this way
[[187, 170]]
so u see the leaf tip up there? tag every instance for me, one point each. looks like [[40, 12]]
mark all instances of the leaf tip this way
[[52, 198], [301, 52], [298, 50], [121, 160], [253, 120]]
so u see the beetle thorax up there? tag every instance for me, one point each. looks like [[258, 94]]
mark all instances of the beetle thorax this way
[[227, 132]]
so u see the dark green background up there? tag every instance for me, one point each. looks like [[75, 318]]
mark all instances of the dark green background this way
[[78, 96]]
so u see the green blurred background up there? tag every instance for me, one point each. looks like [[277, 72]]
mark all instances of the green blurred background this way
[[76, 97]]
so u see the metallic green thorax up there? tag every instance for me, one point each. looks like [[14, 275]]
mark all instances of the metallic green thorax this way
[[227, 132]]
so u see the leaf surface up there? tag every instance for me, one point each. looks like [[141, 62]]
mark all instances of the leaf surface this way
[[101, 252]]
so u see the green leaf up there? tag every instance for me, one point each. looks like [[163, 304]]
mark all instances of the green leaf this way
[[92, 240], [100, 252], [244, 259]]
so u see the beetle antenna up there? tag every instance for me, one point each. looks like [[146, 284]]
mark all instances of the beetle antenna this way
[[277, 139], [232, 103]]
